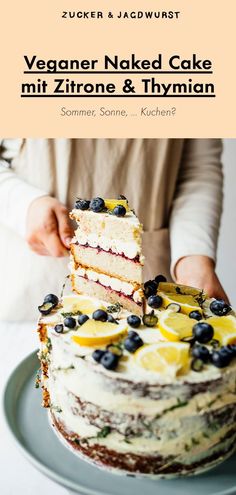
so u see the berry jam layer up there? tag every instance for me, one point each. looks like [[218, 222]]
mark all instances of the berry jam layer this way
[[111, 264], [82, 285], [137, 258]]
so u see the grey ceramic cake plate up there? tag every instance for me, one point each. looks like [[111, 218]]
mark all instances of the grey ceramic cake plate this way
[[28, 423]]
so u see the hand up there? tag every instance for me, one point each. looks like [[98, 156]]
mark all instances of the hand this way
[[48, 228], [199, 271]]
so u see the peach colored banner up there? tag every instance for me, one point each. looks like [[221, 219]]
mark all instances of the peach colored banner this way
[[156, 69]]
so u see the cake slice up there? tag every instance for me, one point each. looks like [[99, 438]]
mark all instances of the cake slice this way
[[106, 252]]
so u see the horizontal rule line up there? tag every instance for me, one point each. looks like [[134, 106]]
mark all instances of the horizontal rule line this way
[[118, 72], [117, 96]]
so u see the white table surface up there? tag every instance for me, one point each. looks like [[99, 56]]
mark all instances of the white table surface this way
[[17, 476]]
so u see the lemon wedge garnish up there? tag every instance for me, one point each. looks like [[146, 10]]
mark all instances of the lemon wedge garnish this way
[[112, 203], [175, 326], [224, 328], [167, 358], [94, 332], [187, 302], [183, 295], [176, 288], [73, 303]]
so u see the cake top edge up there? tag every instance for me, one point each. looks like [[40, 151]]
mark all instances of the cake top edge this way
[[169, 344], [118, 208]]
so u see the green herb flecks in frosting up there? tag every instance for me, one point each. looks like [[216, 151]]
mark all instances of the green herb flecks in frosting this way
[[114, 308], [104, 432], [171, 408], [48, 344], [71, 313], [56, 408], [71, 367], [38, 378]]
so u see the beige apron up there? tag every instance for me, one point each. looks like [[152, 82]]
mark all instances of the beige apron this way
[[144, 170]]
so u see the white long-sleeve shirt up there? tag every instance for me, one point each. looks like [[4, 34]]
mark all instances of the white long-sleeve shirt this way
[[174, 185], [13, 188]]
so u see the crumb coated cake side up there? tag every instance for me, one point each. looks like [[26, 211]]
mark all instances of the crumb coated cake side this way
[[127, 398]]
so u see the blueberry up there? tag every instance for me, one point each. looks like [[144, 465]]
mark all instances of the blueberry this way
[[59, 328], [97, 204], [132, 333], [82, 319], [160, 278], [97, 355], [133, 342], [100, 315], [220, 307], [70, 322], [155, 301], [46, 308], [232, 348], [227, 349], [150, 288], [176, 308], [196, 315], [203, 332], [51, 298], [134, 321], [82, 204], [119, 211], [109, 360], [150, 319], [220, 359], [201, 352], [111, 319]]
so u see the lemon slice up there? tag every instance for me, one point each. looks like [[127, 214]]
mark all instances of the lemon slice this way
[[112, 203], [187, 302], [185, 296], [175, 326], [176, 288], [94, 332], [73, 303], [167, 358], [224, 328]]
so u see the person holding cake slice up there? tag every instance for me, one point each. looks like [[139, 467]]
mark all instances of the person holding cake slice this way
[[174, 185]]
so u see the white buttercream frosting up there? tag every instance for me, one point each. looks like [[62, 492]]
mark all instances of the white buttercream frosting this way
[[129, 249], [107, 281], [71, 377]]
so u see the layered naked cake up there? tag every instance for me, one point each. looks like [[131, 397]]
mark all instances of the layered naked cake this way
[[129, 399], [149, 394], [106, 259]]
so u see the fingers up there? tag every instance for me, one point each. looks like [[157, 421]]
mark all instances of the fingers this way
[[50, 237], [53, 245], [45, 239], [64, 227], [39, 248], [216, 290], [49, 245], [199, 271]]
